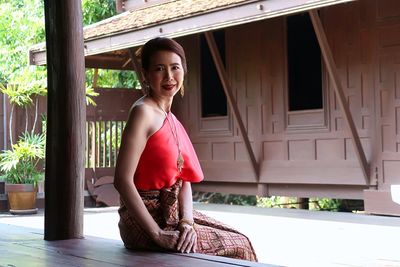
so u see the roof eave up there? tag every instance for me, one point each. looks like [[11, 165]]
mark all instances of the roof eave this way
[[236, 15]]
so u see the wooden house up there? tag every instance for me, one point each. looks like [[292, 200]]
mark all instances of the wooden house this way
[[283, 97]]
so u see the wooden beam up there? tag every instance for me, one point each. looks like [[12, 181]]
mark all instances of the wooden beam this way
[[231, 100], [66, 114], [109, 62], [337, 85], [95, 78], [138, 69]]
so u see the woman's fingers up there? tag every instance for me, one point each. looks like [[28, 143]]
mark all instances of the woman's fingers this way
[[195, 244], [184, 241], [169, 239], [188, 241], [190, 245], [175, 238], [182, 238]]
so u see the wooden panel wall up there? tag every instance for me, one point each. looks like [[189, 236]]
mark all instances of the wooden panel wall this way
[[305, 147], [112, 104], [387, 93]]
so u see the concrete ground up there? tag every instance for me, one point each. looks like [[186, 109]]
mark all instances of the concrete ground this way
[[283, 237]]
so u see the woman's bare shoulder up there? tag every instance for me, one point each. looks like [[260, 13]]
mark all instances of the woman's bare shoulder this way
[[139, 109], [141, 116]]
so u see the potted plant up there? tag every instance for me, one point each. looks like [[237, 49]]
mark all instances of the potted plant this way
[[21, 173]]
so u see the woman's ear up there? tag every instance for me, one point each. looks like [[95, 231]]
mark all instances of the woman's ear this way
[[144, 74], [146, 85]]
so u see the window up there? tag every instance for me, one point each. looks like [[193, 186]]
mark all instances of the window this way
[[304, 64], [213, 99]]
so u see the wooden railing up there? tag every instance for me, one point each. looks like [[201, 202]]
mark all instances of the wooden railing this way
[[102, 143]]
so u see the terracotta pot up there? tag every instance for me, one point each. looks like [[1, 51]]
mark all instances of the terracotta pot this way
[[21, 198]]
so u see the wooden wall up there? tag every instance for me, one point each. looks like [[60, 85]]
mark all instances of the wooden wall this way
[[386, 73], [387, 93], [304, 153]]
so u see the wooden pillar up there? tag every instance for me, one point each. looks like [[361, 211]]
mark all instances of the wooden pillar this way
[[303, 203], [66, 114], [337, 86]]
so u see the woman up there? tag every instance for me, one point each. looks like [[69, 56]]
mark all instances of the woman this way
[[156, 165]]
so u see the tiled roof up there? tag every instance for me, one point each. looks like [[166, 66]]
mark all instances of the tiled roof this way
[[151, 15]]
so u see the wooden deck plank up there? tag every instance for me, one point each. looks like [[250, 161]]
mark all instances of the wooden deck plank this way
[[20, 246]]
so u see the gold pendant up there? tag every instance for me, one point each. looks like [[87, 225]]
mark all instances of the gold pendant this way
[[179, 162]]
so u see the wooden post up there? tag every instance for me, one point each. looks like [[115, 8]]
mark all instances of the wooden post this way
[[333, 74], [231, 100], [303, 203], [95, 78], [138, 69], [66, 114]]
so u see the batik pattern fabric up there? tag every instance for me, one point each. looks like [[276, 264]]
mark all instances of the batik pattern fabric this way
[[213, 237]]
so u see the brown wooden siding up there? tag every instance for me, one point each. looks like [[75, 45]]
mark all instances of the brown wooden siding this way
[[305, 147], [387, 92]]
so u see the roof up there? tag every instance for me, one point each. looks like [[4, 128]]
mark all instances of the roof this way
[[155, 14], [179, 18]]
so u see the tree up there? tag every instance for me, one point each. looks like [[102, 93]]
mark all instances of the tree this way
[[97, 10], [23, 91], [21, 26]]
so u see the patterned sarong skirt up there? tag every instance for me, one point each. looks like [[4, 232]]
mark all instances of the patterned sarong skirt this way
[[213, 237]]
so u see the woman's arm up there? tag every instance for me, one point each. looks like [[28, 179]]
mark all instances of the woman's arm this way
[[186, 202], [133, 142], [188, 238]]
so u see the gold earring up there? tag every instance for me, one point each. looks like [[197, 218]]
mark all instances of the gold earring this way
[[146, 87], [182, 90]]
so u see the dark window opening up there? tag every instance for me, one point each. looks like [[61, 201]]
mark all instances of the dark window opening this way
[[304, 64], [213, 99]]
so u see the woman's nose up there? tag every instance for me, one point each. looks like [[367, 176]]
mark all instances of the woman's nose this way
[[168, 75]]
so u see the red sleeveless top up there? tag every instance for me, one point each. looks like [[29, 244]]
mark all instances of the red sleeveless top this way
[[157, 167]]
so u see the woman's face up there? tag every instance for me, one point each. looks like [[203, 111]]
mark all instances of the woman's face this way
[[165, 73]]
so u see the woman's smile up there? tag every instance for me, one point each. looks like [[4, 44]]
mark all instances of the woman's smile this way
[[168, 87]]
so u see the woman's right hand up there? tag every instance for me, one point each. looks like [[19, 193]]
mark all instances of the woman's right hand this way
[[167, 239]]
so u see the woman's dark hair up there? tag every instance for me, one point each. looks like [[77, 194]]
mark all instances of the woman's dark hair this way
[[161, 44]]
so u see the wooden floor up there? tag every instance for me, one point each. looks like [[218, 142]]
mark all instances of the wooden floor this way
[[21, 246]]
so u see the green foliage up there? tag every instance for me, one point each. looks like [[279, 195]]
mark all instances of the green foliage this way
[[325, 204], [25, 87], [113, 79], [90, 93], [22, 24], [292, 202], [19, 164], [231, 199], [94, 11], [269, 202], [97, 10]]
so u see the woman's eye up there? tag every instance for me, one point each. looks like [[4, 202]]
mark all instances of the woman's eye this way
[[159, 68], [175, 68]]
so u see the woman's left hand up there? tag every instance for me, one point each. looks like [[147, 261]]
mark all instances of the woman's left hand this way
[[187, 239]]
